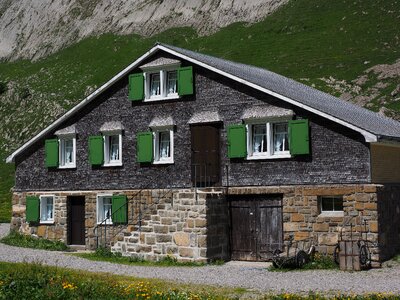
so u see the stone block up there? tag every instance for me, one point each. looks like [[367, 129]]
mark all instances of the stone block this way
[[321, 227], [297, 218], [160, 228], [187, 252], [290, 226], [41, 230], [190, 223], [371, 206], [18, 210], [329, 239], [150, 239], [359, 206], [182, 239], [172, 228], [373, 226], [163, 238], [166, 221], [200, 223], [299, 236], [202, 241]]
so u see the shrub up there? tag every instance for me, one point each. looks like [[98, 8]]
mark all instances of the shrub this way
[[3, 87], [20, 240]]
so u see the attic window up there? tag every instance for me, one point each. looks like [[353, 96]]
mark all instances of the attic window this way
[[162, 79]]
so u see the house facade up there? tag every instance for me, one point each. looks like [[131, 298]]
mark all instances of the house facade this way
[[201, 158]]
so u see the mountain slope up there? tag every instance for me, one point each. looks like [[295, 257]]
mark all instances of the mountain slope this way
[[32, 29], [346, 48]]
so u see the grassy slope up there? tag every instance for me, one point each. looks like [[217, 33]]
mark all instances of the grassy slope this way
[[304, 39]]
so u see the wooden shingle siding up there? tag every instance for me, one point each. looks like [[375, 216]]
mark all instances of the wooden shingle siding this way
[[337, 154], [385, 164]]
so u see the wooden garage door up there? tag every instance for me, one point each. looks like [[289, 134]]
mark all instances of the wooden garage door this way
[[256, 226]]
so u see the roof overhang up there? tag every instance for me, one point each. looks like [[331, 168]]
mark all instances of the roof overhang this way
[[369, 137]]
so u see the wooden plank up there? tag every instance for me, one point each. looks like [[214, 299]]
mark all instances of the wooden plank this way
[[349, 256]]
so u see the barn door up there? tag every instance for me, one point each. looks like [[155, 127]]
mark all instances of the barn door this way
[[205, 155], [256, 226]]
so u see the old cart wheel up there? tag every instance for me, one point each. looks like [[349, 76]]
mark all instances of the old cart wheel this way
[[336, 254], [365, 256], [301, 259]]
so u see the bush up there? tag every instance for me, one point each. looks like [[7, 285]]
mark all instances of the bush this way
[[20, 240], [3, 87]]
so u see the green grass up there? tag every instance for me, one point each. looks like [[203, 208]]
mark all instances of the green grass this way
[[16, 239], [103, 254], [305, 40], [35, 281], [6, 182]]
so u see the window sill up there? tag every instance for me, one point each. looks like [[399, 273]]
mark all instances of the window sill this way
[[47, 222], [276, 156], [163, 162], [107, 223], [67, 167], [155, 99], [116, 164], [331, 214]]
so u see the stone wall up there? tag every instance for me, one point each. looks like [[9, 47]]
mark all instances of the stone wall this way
[[303, 220], [194, 224]]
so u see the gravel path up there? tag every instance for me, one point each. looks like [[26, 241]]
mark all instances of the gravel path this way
[[252, 276]]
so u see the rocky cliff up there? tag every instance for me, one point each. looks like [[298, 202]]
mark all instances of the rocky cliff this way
[[33, 29]]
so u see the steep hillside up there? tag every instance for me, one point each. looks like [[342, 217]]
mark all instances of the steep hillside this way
[[347, 48], [32, 29]]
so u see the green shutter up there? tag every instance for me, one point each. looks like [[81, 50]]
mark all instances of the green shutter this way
[[96, 148], [237, 141], [185, 81], [144, 147], [119, 209], [51, 148], [298, 137], [32, 209], [136, 87]]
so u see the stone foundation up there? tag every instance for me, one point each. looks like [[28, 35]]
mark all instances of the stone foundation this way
[[194, 225]]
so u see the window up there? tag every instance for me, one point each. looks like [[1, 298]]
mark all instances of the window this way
[[67, 152], [330, 204], [162, 84], [113, 149], [267, 140], [46, 209], [163, 146], [104, 209]]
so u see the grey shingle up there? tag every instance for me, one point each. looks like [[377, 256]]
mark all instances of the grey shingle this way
[[333, 106]]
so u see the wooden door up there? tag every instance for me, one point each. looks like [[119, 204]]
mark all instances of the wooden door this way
[[76, 217], [256, 226], [205, 155]]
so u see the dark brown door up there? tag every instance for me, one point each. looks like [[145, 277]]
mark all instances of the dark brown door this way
[[256, 226], [76, 216], [205, 155]]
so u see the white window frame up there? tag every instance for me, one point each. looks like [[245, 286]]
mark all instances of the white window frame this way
[[270, 153], [164, 95], [106, 143], [156, 145], [100, 204], [338, 213], [61, 149], [42, 207]]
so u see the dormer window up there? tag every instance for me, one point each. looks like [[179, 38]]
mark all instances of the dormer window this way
[[162, 79], [162, 84]]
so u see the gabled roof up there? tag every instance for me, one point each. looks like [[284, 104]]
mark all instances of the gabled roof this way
[[371, 125]]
